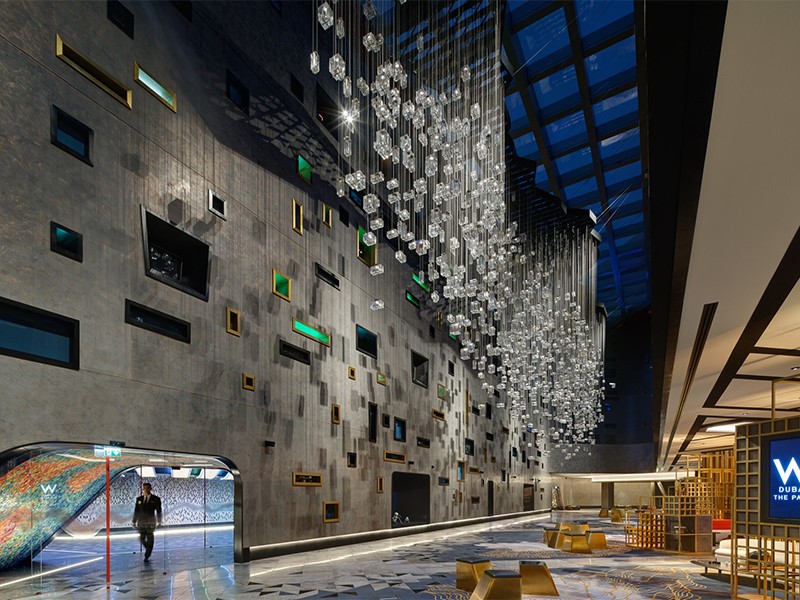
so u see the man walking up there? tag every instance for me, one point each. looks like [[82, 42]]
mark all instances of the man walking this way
[[146, 517]]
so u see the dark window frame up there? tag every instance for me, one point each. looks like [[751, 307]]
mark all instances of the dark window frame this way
[[243, 92], [120, 16], [131, 305], [292, 352], [59, 116], [361, 348], [403, 427], [414, 377], [55, 247], [30, 316]]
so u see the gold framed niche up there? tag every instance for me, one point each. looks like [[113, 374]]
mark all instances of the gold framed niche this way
[[327, 216], [330, 512], [233, 321], [249, 382], [281, 285], [297, 216], [336, 414], [380, 485]]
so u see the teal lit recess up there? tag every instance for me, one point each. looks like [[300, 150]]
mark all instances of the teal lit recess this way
[[304, 169], [421, 283], [149, 83], [412, 298], [311, 332]]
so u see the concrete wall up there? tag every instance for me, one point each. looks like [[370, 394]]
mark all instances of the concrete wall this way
[[154, 392], [582, 492]]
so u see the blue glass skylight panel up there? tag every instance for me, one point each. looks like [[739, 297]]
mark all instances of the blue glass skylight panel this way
[[574, 165], [623, 174], [516, 111], [582, 192], [544, 43], [622, 146], [525, 145], [541, 178], [612, 66], [557, 92], [599, 20], [522, 8], [567, 133], [617, 111]]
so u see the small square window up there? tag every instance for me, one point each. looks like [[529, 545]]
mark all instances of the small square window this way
[[451, 368], [120, 16], [281, 285], [469, 447], [297, 216], [336, 414], [399, 430], [327, 215], [352, 460], [386, 420], [248, 382], [217, 205], [66, 242], [72, 136], [330, 512], [380, 378], [237, 92], [460, 470], [233, 321], [419, 369]]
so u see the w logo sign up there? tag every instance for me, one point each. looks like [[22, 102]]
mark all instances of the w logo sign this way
[[51, 487], [790, 468]]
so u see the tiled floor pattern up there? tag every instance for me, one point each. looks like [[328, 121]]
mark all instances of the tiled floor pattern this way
[[420, 567]]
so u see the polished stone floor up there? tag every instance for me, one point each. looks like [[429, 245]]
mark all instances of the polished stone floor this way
[[419, 566]]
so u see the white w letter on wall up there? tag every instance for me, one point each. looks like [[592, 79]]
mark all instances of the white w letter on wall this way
[[48, 489], [790, 468]]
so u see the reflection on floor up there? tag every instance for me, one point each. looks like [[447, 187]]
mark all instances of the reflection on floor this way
[[419, 566]]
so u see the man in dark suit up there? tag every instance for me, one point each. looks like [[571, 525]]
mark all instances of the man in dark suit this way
[[146, 517]]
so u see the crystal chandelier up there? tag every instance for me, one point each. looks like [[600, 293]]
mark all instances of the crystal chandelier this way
[[422, 139]]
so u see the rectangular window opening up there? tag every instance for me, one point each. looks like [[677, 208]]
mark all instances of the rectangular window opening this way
[[373, 422], [40, 336], [330, 512], [344, 217], [419, 369], [294, 352], [307, 479], [469, 447], [386, 420], [281, 285], [423, 442], [217, 205], [233, 321], [311, 333], [120, 16], [156, 321], [297, 216], [66, 242], [395, 457], [237, 92], [327, 216], [437, 414], [366, 341], [303, 168], [93, 73], [412, 299], [460, 470], [326, 276], [399, 430], [161, 93], [336, 414], [248, 382], [72, 136]]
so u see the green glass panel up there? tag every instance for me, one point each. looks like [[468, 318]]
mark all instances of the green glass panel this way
[[453, 336], [310, 332], [158, 89], [368, 254], [281, 285], [304, 169], [421, 283], [412, 298]]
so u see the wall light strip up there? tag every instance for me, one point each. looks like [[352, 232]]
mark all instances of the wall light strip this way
[[46, 573], [311, 333], [421, 283], [168, 98]]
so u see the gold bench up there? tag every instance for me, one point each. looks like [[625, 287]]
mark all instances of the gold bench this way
[[469, 572], [554, 538], [536, 578], [603, 514], [577, 543], [596, 539], [616, 516], [498, 585]]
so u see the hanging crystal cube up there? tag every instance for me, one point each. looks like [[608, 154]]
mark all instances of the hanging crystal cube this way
[[475, 111], [340, 188], [336, 67], [376, 178], [369, 239], [383, 144], [408, 160], [466, 74], [325, 15], [404, 215], [394, 197], [347, 87], [371, 203], [422, 139], [376, 304], [347, 146], [456, 95], [376, 270], [362, 86], [400, 256], [339, 28], [376, 224], [392, 233], [395, 155], [420, 42], [392, 184], [431, 165], [435, 296], [421, 95], [369, 41], [356, 180], [314, 58], [408, 110], [369, 10]]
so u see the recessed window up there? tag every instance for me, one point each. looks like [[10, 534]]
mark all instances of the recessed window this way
[[294, 352], [281, 285], [307, 479], [460, 470], [326, 276], [423, 442], [351, 373], [380, 485], [373, 422], [412, 299], [476, 410], [327, 215], [184, 7], [444, 481], [395, 457], [148, 82], [330, 512], [451, 368], [237, 92], [248, 382], [156, 321], [419, 369], [336, 414], [488, 411], [66, 242], [233, 321], [352, 460], [437, 414], [120, 16], [432, 331], [311, 333], [344, 217], [469, 447], [489, 437], [37, 335], [93, 73], [441, 391], [380, 378], [217, 205], [72, 136], [296, 87], [366, 341], [365, 253], [297, 216], [303, 168], [174, 257], [399, 430], [386, 420]]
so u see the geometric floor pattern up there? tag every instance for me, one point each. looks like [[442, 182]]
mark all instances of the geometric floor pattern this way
[[419, 567]]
